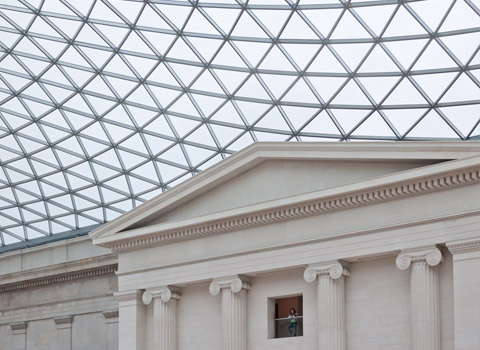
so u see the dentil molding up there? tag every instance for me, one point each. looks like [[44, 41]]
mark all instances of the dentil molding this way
[[235, 283], [464, 246], [386, 192], [431, 255]]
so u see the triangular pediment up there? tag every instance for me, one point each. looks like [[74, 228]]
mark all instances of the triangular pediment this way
[[266, 173]]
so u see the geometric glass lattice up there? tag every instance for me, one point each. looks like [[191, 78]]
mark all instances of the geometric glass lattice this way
[[105, 104]]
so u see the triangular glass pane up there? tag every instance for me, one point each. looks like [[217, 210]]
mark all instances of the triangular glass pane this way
[[202, 136], [142, 65], [349, 118], [469, 19], [321, 124], [253, 89], [374, 126], [349, 28], [432, 126], [252, 51], [378, 61], [301, 53], [277, 83], [403, 24], [207, 104], [326, 86], [463, 46], [231, 79], [180, 50], [405, 94], [185, 106], [247, 27], [326, 62], [298, 116], [300, 92], [463, 117], [223, 17], [224, 134], [272, 20], [378, 87], [164, 96], [183, 125], [351, 95], [206, 82], [206, 47], [296, 28], [431, 12], [174, 155], [273, 120], [352, 54], [228, 57], [186, 72], [228, 114], [251, 110], [434, 57], [141, 96], [276, 60], [176, 14], [376, 17], [464, 89], [323, 19], [162, 74], [197, 23], [159, 41], [406, 51], [160, 126], [435, 84], [403, 119]]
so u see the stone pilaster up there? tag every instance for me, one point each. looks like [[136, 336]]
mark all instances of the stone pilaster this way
[[111, 318], [19, 331], [64, 332], [424, 295], [234, 310], [132, 320], [164, 316], [330, 303]]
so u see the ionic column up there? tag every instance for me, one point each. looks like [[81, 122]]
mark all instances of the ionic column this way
[[164, 316], [234, 311], [19, 331], [64, 332], [330, 303], [424, 295]]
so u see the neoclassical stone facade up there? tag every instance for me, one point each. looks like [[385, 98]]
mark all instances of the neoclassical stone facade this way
[[380, 240]]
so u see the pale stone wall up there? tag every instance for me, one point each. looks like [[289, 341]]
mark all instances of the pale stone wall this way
[[64, 301]]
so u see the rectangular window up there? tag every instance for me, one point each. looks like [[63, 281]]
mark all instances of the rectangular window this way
[[288, 317]]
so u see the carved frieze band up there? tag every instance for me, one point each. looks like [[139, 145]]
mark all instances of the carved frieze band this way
[[60, 278], [163, 293], [235, 283], [335, 269], [381, 194], [464, 246], [432, 256]]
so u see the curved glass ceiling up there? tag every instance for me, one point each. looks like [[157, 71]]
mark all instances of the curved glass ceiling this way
[[105, 104]]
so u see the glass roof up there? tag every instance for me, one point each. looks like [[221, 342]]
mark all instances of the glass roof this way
[[105, 104]]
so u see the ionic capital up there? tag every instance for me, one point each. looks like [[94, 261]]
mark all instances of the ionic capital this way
[[234, 283], [431, 255], [165, 294], [335, 269]]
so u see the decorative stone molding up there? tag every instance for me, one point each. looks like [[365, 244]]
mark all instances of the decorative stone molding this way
[[111, 316], [333, 268], [59, 279], [164, 293], [464, 246], [64, 320], [19, 327], [130, 295], [349, 199], [234, 283], [432, 256]]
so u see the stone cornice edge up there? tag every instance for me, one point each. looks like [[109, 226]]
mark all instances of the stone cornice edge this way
[[464, 246], [383, 193], [64, 277]]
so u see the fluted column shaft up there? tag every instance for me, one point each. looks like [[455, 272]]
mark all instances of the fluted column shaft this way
[[164, 317], [424, 296], [330, 303], [234, 311]]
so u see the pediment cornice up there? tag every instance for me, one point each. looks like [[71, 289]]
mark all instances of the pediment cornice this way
[[439, 177]]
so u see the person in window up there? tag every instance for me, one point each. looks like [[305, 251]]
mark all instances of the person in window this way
[[292, 325]]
